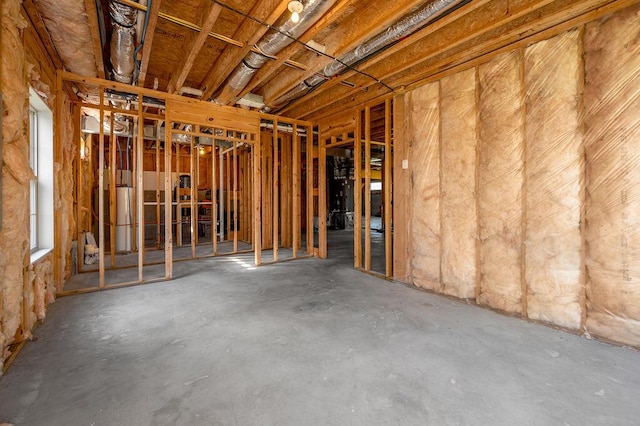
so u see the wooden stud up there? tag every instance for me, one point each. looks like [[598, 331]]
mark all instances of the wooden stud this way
[[229, 193], [357, 192], [388, 191], [193, 194], [275, 182], [140, 189], [79, 189], [367, 188], [322, 197], [168, 203], [235, 197], [257, 201], [296, 191], [101, 190], [148, 41], [214, 197], [310, 191], [112, 192], [158, 201]]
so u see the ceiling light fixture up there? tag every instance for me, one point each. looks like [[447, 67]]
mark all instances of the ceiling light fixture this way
[[295, 7]]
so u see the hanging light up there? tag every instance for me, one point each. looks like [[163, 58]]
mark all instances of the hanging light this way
[[295, 7]]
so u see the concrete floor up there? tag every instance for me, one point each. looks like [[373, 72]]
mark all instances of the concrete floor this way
[[306, 342]]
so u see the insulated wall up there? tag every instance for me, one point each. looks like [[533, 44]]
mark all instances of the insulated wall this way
[[526, 180], [612, 106], [425, 113]]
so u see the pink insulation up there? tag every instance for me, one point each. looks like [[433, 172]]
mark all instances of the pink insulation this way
[[500, 179], [459, 221], [612, 138], [425, 152], [554, 162]]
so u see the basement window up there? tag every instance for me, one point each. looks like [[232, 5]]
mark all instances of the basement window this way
[[41, 187]]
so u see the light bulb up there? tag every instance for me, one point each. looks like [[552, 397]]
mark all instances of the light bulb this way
[[295, 17]]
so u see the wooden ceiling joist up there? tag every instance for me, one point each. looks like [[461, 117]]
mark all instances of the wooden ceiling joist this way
[[360, 28], [94, 28], [249, 33], [148, 41], [193, 45]]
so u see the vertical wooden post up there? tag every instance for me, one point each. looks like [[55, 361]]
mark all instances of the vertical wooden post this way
[[158, 201], [275, 183], [235, 197], [229, 193], [134, 184], [101, 189], [367, 188], [178, 196], [310, 190], [79, 189], [193, 192], [257, 201], [140, 188], [296, 191], [388, 190], [112, 192], [168, 204], [221, 195], [214, 197], [322, 197], [357, 193]]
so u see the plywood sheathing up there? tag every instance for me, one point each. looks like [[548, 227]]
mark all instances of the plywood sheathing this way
[[554, 162], [500, 180], [16, 174], [612, 139], [459, 224], [67, 23], [425, 152]]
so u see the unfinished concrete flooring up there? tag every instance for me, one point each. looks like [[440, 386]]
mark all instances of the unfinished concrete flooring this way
[[306, 342]]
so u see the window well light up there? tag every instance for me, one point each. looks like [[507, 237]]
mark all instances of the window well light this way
[[295, 7]]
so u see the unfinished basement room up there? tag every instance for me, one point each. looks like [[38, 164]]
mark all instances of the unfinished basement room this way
[[320, 212]]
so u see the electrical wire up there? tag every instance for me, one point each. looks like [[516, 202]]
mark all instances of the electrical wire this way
[[271, 27]]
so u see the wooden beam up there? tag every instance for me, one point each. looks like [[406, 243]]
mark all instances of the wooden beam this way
[[367, 188], [361, 27], [101, 192], [235, 197], [388, 191], [140, 189], [257, 201], [249, 34], [275, 184], [193, 46], [296, 191], [148, 40], [322, 197], [168, 205], [310, 195], [266, 72], [357, 192], [37, 22], [94, 29]]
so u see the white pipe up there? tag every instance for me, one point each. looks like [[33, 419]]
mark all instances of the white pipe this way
[[185, 90]]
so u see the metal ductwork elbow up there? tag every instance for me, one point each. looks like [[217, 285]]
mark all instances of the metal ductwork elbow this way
[[122, 41]]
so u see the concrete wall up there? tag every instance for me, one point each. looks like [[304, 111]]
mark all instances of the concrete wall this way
[[525, 175]]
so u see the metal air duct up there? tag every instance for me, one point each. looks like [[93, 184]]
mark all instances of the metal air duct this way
[[405, 26], [122, 41], [272, 43]]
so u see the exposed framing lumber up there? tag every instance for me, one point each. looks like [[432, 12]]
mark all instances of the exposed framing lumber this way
[[148, 40], [322, 197], [249, 34], [112, 192], [267, 71], [275, 182], [140, 190], [235, 197], [94, 28], [367, 188], [296, 191], [388, 191], [257, 201], [168, 214], [101, 191], [194, 45], [310, 196], [214, 198], [357, 192], [378, 19]]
